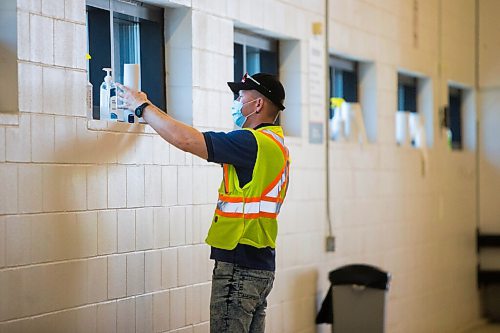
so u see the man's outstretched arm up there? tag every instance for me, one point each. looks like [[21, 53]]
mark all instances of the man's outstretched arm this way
[[182, 136]]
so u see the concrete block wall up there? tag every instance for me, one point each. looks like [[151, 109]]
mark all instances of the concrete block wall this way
[[102, 225]]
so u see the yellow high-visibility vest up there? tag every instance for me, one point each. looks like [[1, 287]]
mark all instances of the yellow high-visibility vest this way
[[248, 215]]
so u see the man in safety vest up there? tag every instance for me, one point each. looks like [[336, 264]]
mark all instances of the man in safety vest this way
[[255, 164]]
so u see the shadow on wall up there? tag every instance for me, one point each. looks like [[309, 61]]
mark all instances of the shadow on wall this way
[[70, 214]]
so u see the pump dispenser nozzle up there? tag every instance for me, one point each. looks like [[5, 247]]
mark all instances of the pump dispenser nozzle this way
[[108, 76]]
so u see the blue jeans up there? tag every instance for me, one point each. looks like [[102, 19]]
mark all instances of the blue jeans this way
[[238, 302]]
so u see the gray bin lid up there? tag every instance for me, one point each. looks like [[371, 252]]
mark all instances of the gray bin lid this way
[[360, 274]]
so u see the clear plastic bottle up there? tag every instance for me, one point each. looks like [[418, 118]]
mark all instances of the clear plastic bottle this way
[[107, 101], [113, 110], [104, 96]]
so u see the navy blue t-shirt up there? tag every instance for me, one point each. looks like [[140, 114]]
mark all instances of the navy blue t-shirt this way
[[239, 148]]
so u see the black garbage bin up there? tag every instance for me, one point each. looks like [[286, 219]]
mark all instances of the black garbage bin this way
[[355, 302]]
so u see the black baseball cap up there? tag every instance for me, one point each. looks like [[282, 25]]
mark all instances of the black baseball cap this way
[[267, 84]]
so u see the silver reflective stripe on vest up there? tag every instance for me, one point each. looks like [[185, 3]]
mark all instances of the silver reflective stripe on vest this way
[[262, 206], [270, 207], [230, 207], [276, 136], [249, 207]]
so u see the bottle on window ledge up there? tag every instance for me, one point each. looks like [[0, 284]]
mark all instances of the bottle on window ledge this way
[[107, 103]]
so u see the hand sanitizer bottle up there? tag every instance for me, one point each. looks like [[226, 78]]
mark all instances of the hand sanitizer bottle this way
[[104, 96], [113, 110]]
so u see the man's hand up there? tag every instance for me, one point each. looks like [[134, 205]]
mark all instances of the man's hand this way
[[131, 98]]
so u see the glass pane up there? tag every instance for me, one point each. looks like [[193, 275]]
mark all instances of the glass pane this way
[[401, 98], [127, 50], [253, 60], [238, 62], [350, 87], [269, 62], [99, 48], [410, 98], [455, 121], [338, 84]]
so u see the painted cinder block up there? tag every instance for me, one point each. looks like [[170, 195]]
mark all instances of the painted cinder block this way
[[161, 311], [177, 226], [23, 35], [144, 313], [135, 273], [126, 230], [106, 317], [135, 186], [117, 186], [42, 138], [56, 322], [184, 270], [55, 237], [108, 147], [144, 228], [17, 144], [86, 319], [193, 304], [34, 6], [144, 149], [161, 151], [2, 241], [152, 267], [205, 301], [97, 187], [161, 222], [53, 80], [153, 183], [169, 185], [177, 308], [117, 276], [41, 39], [53, 8], [97, 279], [64, 188], [107, 232], [125, 315], [169, 278], [2, 144], [17, 240], [65, 139], [64, 43], [74, 10], [9, 188], [58, 286], [189, 225], [75, 94]]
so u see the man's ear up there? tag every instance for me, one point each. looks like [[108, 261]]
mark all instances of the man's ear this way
[[259, 105]]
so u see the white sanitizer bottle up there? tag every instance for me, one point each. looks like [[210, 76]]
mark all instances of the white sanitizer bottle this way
[[113, 110], [104, 96]]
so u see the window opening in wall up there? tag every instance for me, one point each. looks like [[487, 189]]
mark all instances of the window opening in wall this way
[[253, 54], [346, 114], [414, 116], [344, 79], [455, 116], [134, 37]]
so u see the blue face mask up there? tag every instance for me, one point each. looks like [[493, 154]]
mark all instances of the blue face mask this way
[[238, 118]]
